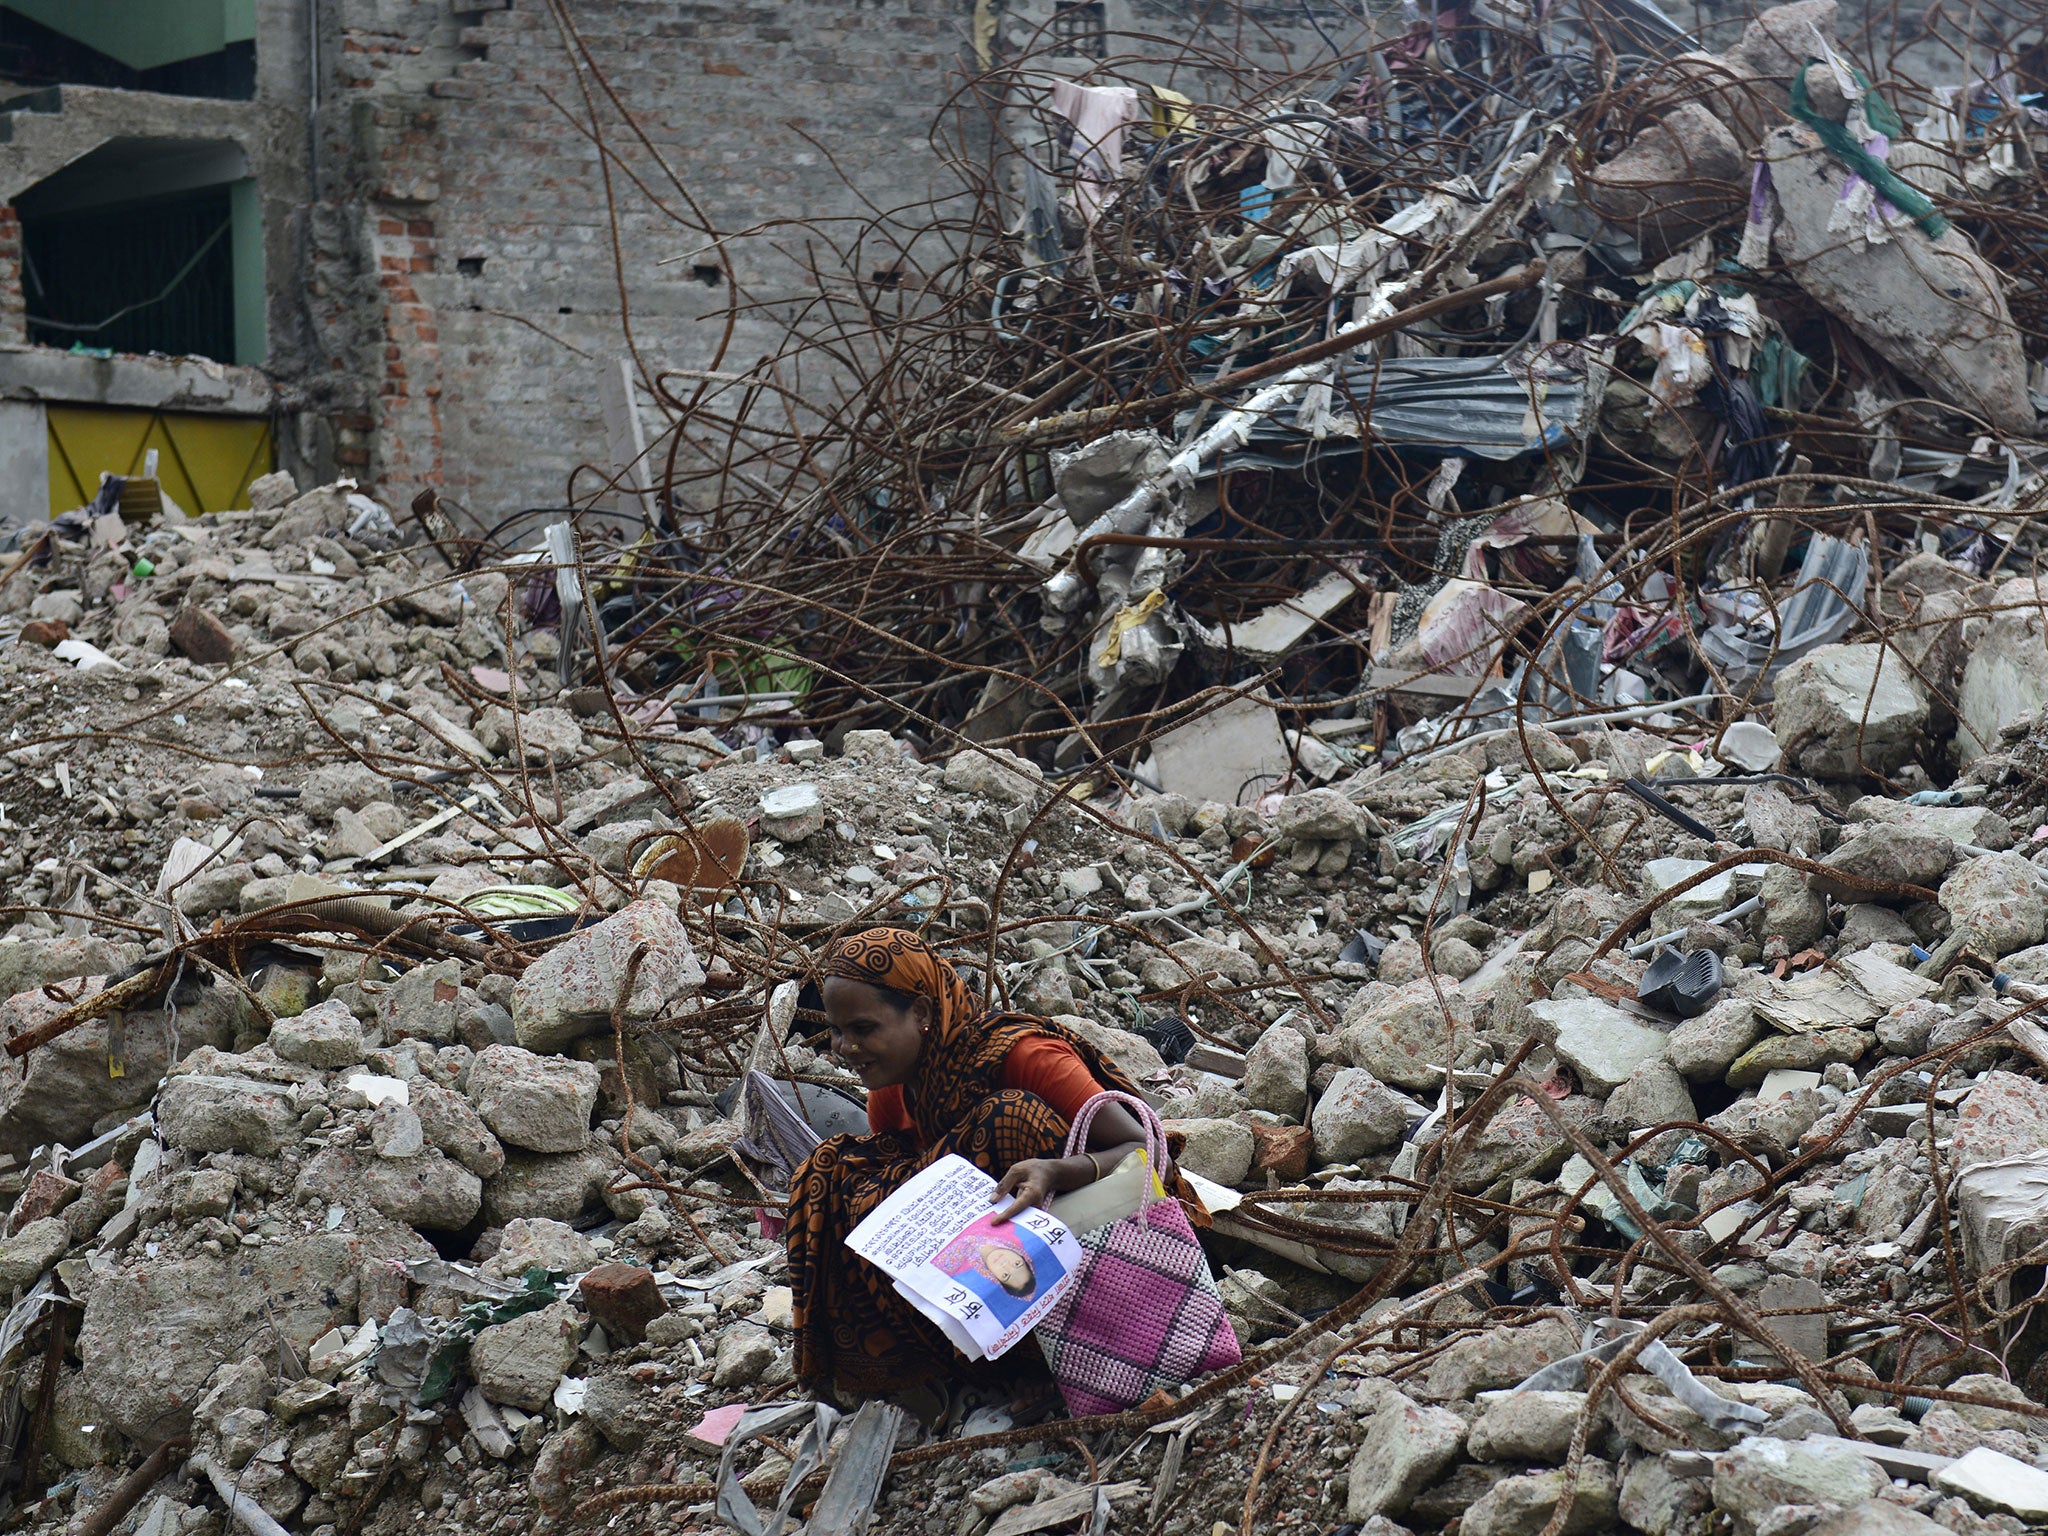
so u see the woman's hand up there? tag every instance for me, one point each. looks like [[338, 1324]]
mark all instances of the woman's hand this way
[[1032, 1182]]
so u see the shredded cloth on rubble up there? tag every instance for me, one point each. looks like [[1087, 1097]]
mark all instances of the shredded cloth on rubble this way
[[852, 1328], [1842, 144]]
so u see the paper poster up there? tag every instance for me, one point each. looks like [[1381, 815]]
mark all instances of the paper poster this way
[[986, 1283]]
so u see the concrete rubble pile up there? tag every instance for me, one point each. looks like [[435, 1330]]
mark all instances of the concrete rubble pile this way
[[1597, 987]]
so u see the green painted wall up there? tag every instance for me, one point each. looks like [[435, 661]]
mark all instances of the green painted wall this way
[[245, 211], [145, 33]]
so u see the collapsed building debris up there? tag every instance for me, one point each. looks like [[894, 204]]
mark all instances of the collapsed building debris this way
[[1469, 619]]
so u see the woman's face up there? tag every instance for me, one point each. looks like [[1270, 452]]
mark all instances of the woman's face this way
[[874, 1037], [1011, 1270]]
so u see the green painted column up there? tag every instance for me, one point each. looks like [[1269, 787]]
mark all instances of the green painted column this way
[[245, 234]]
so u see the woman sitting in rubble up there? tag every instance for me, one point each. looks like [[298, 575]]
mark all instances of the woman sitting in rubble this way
[[943, 1076]]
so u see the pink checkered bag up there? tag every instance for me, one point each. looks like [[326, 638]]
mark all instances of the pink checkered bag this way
[[1143, 1312]]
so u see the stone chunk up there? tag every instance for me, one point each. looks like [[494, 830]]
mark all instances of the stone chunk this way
[[1500, 1357], [427, 1190], [571, 990], [199, 636], [540, 1103], [1320, 816], [1996, 897], [451, 1122], [1798, 1053], [1522, 1506], [1706, 1047], [1759, 1474], [534, 736], [993, 774], [1778, 821], [1793, 911], [1134, 1053], [1658, 1500], [425, 1003], [1654, 1094], [1526, 1426], [1933, 308], [327, 1036], [1598, 1041], [24, 1256], [622, 1299], [533, 1184], [626, 1413], [338, 786], [202, 1193], [1401, 1037], [744, 1352], [1406, 1447], [2006, 675], [792, 813], [1216, 1149], [519, 1361], [1276, 1072], [2006, 1115], [1978, 825], [1675, 180], [1896, 855], [1878, 1519], [1844, 710], [538, 1243], [1357, 1115], [1999, 1483], [156, 1329], [224, 1114]]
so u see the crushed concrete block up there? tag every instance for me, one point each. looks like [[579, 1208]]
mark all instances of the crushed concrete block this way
[[451, 1122], [1216, 1149], [1526, 1426], [1358, 1115], [1759, 1474], [994, 774], [1406, 1448], [560, 1188], [1996, 898], [202, 1113], [1523, 1505], [326, 1036], [539, 1103], [1844, 710], [2006, 675], [428, 1191], [2006, 1115], [32, 1250], [1932, 308], [1401, 1037], [520, 1361], [1501, 1357], [571, 990], [1598, 1041], [156, 1329], [1276, 1072]]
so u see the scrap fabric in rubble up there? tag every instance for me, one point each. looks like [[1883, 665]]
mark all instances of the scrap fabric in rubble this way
[[1469, 618]]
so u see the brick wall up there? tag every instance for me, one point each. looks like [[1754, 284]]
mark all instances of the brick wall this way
[[13, 307], [478, 223]]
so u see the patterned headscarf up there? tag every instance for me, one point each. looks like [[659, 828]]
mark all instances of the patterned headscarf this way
[[892, 957]]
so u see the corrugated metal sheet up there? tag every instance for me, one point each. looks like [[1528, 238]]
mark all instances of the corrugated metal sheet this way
[[1473, 405]]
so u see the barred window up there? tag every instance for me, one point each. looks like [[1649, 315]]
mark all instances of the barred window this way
[[1082, 27]]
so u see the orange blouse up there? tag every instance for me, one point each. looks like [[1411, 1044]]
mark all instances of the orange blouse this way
[[1038, 1064]]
